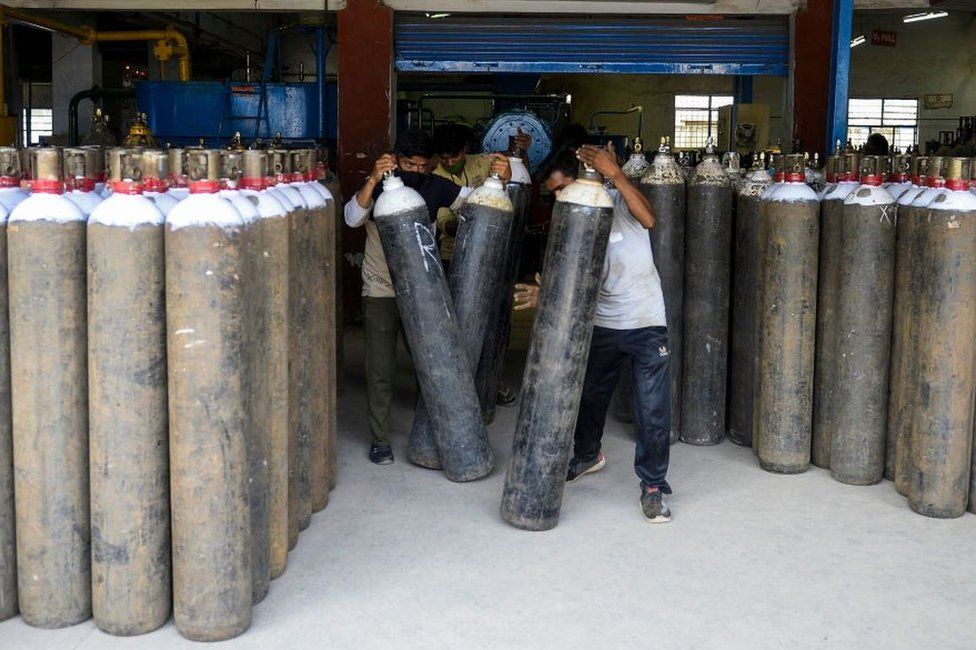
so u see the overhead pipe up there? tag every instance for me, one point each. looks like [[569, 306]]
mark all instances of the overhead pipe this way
[[169, 42]]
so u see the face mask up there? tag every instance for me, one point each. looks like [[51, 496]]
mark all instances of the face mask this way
[[413, 180], [456, 168]]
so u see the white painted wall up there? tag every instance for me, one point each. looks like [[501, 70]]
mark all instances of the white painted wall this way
[[76, 67], [935, 56]]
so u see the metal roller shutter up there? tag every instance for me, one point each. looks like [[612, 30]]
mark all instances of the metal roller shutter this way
[[732, 45]]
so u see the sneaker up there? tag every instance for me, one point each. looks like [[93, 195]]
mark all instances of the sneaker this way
[[652, 504], [505, 397], [381, 454], [578, 468]]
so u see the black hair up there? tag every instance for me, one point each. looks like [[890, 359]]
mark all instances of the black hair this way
[[451, 138], [414, 142], [572, 136], [563, 161], [876, 145]]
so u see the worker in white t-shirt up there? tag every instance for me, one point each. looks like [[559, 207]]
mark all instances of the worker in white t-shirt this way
[[629, 324]]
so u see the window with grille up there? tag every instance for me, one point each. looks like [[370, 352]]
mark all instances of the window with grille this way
[[40, 124], [895, 119], [696, 119]]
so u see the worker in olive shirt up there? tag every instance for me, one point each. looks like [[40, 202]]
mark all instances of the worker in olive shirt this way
[[381, 320], [629, 323]]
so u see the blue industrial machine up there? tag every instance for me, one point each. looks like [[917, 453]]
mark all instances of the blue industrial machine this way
[[181, 113]]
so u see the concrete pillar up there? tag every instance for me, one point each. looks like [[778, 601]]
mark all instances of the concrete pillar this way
[[75, 67]]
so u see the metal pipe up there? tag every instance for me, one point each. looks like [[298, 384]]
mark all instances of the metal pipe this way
[[170, 42], [485, 96], [634, 107], [320, 76]]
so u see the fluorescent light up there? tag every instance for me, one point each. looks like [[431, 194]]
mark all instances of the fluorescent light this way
[[436, 16], [857, 40], [914, 18]]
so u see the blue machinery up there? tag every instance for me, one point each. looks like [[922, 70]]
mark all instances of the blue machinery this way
[[181, 113]]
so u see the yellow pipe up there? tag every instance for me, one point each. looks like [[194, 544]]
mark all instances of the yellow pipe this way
[[169, 42]]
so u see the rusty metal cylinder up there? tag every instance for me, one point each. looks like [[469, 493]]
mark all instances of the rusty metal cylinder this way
[[664, 187], [901, 368], [209, 458], [79, 178], [8, 534], [474, 281], [49, 372], [178, 178], [825, 394], [786, 317], [328, 179], [155, 180], [915, 213], [553, 381], [745, 296], [128, 433], [941, 421], [431, 326], [266, 336], [11, 193], [708, 261], [867, 268]]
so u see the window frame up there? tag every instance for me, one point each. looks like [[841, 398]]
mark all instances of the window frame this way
[[888, 130], [713, 121]]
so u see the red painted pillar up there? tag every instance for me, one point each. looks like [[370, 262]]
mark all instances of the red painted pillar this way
[[811, 73], [365, 31]]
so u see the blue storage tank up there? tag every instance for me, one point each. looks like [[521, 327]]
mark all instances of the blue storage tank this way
[[183, 112]]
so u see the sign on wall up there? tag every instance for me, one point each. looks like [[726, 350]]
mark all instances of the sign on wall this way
[[884, 37], [938, 100]]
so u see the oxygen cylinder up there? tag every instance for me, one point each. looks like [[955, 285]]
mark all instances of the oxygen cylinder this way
[[636, 166], [899, 180], [178, 179], [330, 181], [864, 320], [320, 272], [833, 170], [708, 253], [155, 180], [209, 468], [433, 332], [78, 179], [477, 270], [8, 539], [941, 420], [266, 265], [96, 169], [10, 175], [914, 213], [46, 260], [902, 370], [253, 386], [492, 364], [786, 318], [745, 296], [128, 434], [664, 187], [556, 362], [828, 348], [279, 161]]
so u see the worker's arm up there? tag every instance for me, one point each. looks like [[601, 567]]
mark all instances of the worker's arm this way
[[527, 295], [358, 208], [605, 162]]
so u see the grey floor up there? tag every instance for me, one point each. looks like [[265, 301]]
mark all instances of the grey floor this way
[[403, 558]]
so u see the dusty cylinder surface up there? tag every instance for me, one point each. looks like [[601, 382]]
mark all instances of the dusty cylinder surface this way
[[492, 364], [664, 187], [477, 270], [556, 362], [902, 325], [786, 313], [209, 468], [864, 319], [708, 259], [128, 433], [745, 295], [47, 269], [8, 538], [446, 377], [825, 393], [267, 267], [941, 422]]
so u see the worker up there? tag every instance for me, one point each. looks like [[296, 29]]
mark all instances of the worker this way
[[629, 324], [876, 145], [452, 143], [381, 320]]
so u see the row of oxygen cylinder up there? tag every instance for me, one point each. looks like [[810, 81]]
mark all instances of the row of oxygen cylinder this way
[[167, 387], [832, 327]]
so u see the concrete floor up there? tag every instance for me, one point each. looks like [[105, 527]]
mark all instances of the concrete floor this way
[[403, 558]]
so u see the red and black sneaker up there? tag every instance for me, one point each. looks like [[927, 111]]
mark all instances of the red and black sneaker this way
[[578, 468]]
